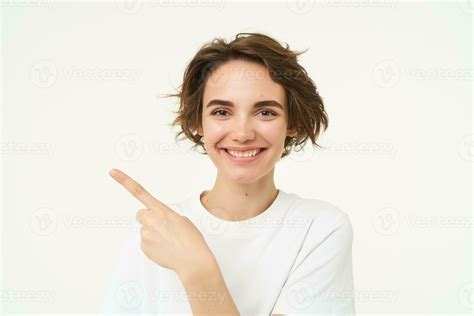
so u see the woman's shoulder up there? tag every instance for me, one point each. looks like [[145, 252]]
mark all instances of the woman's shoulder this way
[[315, 208], [325, 219]]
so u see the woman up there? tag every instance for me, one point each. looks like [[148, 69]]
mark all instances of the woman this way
[[244, 246]]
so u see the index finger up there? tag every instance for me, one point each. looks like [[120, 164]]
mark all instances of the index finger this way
[[136, 189]]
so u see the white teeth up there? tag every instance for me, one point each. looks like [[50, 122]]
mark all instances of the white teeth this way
[[244, 154]]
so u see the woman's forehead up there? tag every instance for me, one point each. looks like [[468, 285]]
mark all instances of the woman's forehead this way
[[240, 70], [242, 81]]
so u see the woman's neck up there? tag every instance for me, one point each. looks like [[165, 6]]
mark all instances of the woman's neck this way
[[237, 202]]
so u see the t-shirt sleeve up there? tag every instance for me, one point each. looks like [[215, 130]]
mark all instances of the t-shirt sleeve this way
[[321, 279], [126, 287], [131, 287]]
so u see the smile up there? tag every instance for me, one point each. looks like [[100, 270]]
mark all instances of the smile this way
[[247, 156]]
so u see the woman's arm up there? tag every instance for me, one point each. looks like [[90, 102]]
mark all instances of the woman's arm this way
[[207, 292]]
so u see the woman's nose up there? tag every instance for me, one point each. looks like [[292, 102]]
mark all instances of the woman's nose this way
[[242, 130]]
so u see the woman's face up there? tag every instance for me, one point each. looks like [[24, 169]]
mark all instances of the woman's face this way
[[239, 123]]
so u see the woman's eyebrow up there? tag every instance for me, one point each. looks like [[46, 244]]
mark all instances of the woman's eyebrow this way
[[257, 104]]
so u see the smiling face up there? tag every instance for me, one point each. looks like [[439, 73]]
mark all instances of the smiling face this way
[[234, 115]]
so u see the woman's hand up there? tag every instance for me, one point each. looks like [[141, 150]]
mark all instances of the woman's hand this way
[[167, 238]]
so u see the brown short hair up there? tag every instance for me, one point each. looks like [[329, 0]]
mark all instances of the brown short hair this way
[[306, 112]]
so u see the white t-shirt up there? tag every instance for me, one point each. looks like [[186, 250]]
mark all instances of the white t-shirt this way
[[293, 258]]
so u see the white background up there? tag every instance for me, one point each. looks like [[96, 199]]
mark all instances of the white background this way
[[80, 95]]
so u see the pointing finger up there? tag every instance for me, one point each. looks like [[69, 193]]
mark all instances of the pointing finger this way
[[136, 189]]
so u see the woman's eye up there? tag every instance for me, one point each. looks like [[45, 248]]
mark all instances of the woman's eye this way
[[224, 111], [214, 113], [271, 112]]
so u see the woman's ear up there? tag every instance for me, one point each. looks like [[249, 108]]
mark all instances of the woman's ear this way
[[292, 133], [199, 131]]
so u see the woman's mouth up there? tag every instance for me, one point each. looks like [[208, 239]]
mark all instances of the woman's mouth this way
[[240, 156]]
